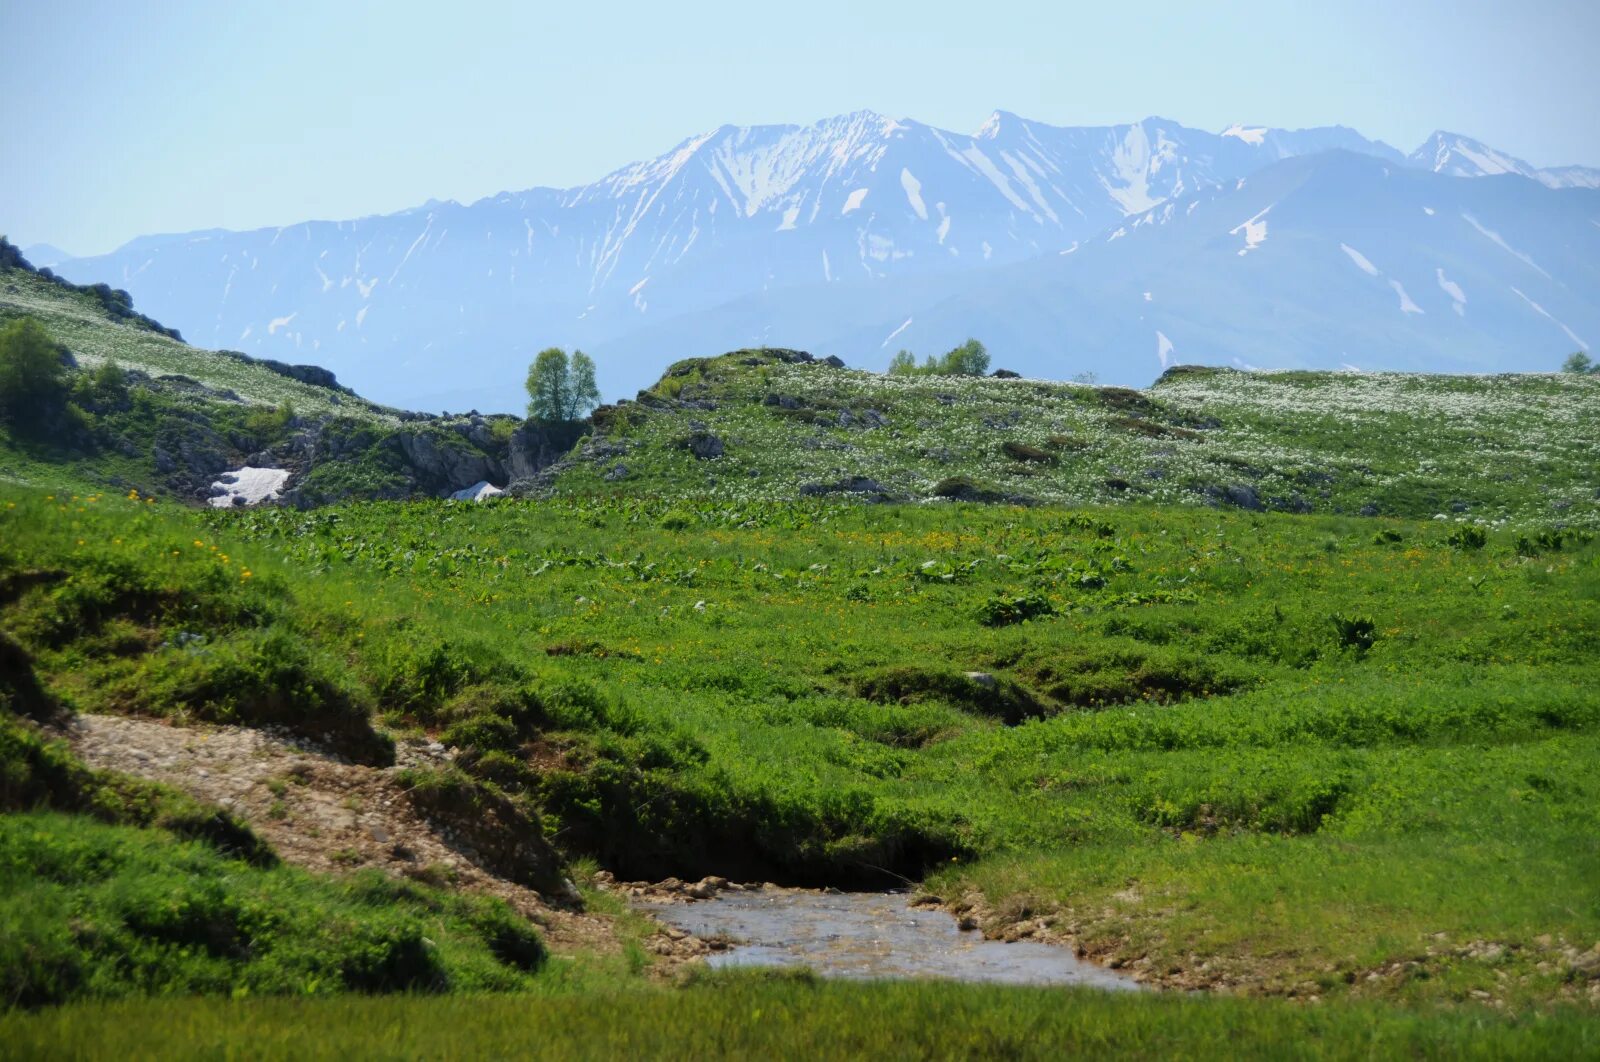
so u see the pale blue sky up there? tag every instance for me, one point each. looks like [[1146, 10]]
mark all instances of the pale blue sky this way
[[127, 118]]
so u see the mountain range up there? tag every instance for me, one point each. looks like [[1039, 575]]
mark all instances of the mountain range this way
[[1113, 250]]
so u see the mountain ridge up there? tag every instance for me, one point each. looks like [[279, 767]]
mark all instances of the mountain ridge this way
[[725, 215]]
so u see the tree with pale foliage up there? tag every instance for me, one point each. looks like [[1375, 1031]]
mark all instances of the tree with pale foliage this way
[[561, 388], [1581, 364], [969, 359]]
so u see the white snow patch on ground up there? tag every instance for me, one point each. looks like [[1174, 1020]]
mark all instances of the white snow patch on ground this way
[[252, 485], [366, 289], [1249, 136], [944, 228], [361, 315], [639, 286], [280, 322], [1542, 312], [790, 216], [1406, 305], [857, 197], [1163, 349], [897, 331], [1359, 259], [1452, 289], [1503, 245], [477, 492], [913, 189], [1255, 232]]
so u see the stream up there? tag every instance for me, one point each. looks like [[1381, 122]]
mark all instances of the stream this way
[[870, 935]]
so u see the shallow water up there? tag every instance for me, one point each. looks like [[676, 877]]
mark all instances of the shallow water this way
[[871, 935]]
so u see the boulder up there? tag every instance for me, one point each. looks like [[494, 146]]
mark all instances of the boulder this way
[[1240, 496], [703, 445]]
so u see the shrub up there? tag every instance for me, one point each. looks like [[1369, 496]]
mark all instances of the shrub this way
[[1005, 609], [1467, 537], [1023, 452], [1354, 632], [33, 374], [981, 693]]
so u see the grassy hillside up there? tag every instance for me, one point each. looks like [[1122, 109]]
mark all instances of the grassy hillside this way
[[1305, 755], [1489, 449], [177, 418], [80, 320]]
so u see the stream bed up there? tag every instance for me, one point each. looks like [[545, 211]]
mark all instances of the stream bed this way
[[870, 935]]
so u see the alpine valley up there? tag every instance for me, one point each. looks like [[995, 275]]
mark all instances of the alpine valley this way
[[1111, 250]]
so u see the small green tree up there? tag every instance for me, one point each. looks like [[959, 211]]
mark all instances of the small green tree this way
[[584, 391], [561, 388], [903, 363], [969, 359], [1581, 364], [33, 374], [547, 385]]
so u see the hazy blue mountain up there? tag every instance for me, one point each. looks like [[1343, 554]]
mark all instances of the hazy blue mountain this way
[[45, 256], [831, 236], [1462, 156]]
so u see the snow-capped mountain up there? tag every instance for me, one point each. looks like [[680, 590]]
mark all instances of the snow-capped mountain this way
[[442, 305], [1462, 156]]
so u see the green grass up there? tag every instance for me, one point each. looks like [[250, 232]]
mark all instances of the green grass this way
[[1488, 449], [763, 1017], [1207, 778], [100, 911]]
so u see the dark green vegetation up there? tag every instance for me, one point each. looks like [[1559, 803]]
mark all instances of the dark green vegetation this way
[[788, 1017]]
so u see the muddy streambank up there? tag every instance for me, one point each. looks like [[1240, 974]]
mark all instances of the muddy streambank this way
[[860, 935]]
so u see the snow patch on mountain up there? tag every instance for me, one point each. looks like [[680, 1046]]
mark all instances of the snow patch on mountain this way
[[1457, 296], [1359, 259], [1406, 305], [1542, 312], [1255, 232], [1502, 244], [913, 190]]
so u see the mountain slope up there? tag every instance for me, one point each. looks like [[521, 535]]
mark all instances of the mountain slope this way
[[386, 301], [1320, 261], [859, 234], [1461, 156]]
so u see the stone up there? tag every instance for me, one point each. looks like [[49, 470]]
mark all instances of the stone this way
[[616, 472], [703, 445]]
